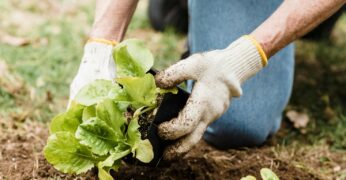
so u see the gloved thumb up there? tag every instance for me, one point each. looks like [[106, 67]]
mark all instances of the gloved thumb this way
[[188, 68]]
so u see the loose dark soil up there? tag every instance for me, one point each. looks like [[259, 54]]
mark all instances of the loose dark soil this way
[[206, 162], [21, 158]]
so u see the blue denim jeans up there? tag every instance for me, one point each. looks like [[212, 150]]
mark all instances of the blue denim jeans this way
[[257, 114]]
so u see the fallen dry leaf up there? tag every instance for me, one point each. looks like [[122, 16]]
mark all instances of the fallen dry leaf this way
[[299, 120], [22, 21], [14, 41], [337, 168]]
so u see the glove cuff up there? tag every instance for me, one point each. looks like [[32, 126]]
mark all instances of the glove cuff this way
[[245, 58], [103, 41], [97, 50]]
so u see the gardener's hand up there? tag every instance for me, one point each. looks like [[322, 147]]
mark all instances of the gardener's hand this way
[[218, 75], [97, 63]]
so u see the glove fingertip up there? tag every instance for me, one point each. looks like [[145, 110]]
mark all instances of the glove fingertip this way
[[163, 80], [164, 131]]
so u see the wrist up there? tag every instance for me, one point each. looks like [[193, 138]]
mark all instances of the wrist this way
[[107, 33], [267, 41], [112, 18]]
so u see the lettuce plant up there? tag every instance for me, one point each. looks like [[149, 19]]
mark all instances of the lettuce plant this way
[[102, 125]]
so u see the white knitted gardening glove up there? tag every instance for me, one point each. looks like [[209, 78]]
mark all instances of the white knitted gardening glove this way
[[97, 63], [218, 75]]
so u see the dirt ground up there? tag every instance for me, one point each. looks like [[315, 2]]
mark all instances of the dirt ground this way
[[205, 162], [21, 158]]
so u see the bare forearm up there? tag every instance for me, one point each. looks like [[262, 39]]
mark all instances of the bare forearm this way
[[112, 18], [291, 20]]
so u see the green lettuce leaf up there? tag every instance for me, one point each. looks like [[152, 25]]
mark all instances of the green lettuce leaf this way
[[104, 171], [268, 174], [114, 156], [112, 161], [132, 58], [67, 121], [103, 174], [96, 134], [89, 112], [99, 90], [164, 91], [110, 112], [142, 149], [65, 153], [141, 90], [249, 177]]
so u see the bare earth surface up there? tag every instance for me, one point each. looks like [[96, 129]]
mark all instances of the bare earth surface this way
[[21, 158]]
